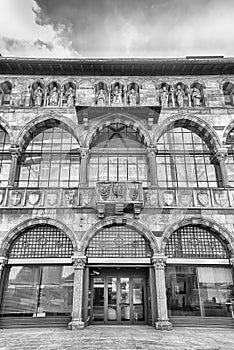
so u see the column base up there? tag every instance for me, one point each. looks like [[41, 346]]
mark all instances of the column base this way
[[75, 325], [163, 325]]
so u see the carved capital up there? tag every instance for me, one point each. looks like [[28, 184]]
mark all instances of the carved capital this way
[[3, 262], [15, 151], [159, 262], [219, 155], [78, 262], [232, 261], [84, 152], [152, 151]]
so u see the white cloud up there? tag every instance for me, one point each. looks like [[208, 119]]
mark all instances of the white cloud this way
[[17, 24]]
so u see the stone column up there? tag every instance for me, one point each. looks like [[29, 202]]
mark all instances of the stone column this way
[[218, 160], [151, 153], [15, 156], [159, 267], [3, 262], [84, 152], [78, 263]]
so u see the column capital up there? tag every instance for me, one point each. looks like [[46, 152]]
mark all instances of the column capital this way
[[15, 151], [3, 262], [84, 152], [159, 262], [152, 151], [232, 261], [78, 261], [219, 155]]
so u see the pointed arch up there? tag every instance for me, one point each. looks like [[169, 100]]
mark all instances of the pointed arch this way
[[209, 224], [112, 118], [7, 128], [134, 224], [227, 130], [9, 238], [42, 122], [192, 123]]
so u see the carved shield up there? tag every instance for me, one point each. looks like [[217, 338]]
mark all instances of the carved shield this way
[[203, 198], [185, 198], [104, 190], [221, 198], [133, 192], [52, 198], [169, 198], [70, 196], [34, 197], [15, 198], [118, 191]]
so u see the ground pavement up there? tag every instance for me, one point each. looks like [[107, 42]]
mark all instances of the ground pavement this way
[[117, 338]]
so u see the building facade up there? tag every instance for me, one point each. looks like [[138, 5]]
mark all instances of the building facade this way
[[116, 192]]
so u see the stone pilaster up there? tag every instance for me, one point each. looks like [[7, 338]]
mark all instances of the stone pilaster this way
[[218, 160], [15, 156], [159, 267], [151, 153], [78, 263], [3, 262], [84, 153]]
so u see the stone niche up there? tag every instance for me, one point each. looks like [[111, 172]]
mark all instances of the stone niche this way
[[149, 94], [85, 95]]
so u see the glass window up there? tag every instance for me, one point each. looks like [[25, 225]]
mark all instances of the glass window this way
[[5, 158], [51, 160], [199, 291], [184, 158], [38, 291]]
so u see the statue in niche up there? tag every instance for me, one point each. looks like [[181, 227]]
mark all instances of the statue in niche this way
[[70, 97], [53, 97], [38, 96], [117, 96], [132, 97], [179, 96], [164, 96], [101, 97], [196, 97]]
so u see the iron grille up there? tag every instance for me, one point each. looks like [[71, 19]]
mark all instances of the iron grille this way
[[195, 242], [42, 241], [118, 241]]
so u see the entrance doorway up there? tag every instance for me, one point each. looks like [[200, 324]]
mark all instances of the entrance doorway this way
[[119, 296]]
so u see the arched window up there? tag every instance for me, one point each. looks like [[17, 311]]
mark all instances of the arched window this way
[[198, 275], [117, 154], [6, 89], [118, 241], [230, 158], [5, 157], [183, 160], [51, 159], [35, 286]]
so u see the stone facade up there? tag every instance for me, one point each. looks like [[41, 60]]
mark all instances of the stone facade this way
[[157, 106]]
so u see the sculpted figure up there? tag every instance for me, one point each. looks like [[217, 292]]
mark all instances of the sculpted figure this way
[[117, 96], [70, 97], [37, 97], [132, 97], [196, 97], [101, 97], [164, 97], [53, 97], [180, 96]]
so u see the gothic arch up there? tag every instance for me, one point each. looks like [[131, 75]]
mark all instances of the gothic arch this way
[[226, 132], [30, 223], [5, 125], [134, 224], [194, 124], [125, 119], [206, 223], [43, 122]]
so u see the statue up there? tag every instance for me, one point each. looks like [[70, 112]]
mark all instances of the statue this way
[[70, 97], [164, 97], [180, 96], [117, 96], [101, 97], [53, 97], [196, 97], [132, 97], [38, 96]]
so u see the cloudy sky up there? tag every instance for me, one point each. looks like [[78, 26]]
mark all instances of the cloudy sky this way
[[116, 28]]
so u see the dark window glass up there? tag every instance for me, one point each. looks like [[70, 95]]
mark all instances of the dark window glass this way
[[183, 160], [5, 158], [51, 160]]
